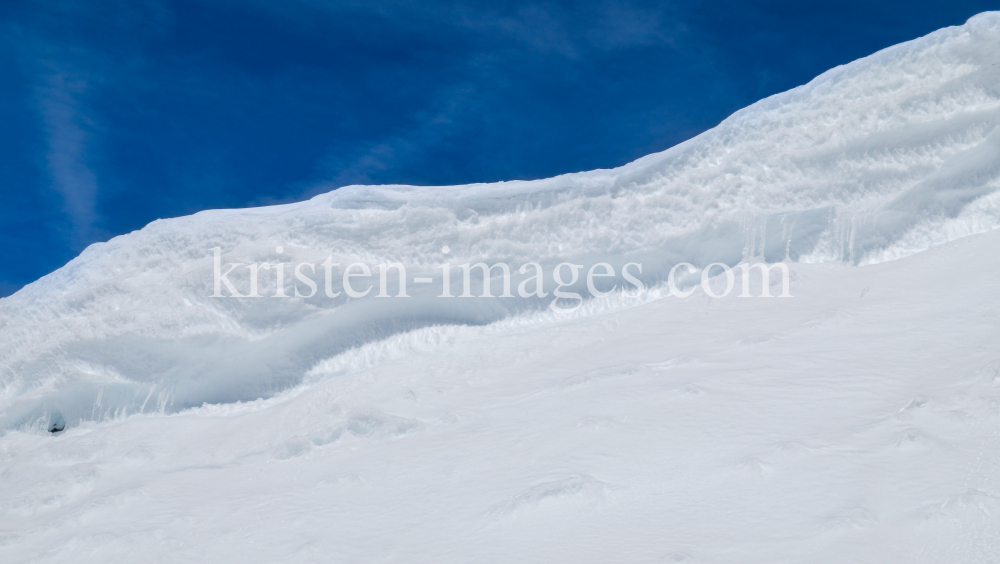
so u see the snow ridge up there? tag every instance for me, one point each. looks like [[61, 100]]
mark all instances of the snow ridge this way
[[885, 157]]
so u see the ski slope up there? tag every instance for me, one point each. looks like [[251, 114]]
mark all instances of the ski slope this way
[[855, 422]]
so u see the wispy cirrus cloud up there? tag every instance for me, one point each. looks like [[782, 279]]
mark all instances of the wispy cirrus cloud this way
[[513, 47], [453, 108], [575, 32], [69, 51], [69, 132], [368, 163], [544, 27]]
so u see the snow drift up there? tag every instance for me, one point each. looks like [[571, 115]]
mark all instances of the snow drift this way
[[873, 161], [855, 423]]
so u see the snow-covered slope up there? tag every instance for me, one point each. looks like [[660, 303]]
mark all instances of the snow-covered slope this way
[[875, 160], [861, 415], [857, 422]]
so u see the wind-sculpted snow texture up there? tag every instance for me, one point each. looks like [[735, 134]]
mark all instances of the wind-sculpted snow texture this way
[[855, 423], [873, 161]]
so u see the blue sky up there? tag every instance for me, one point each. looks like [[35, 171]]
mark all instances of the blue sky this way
[[116, 113]]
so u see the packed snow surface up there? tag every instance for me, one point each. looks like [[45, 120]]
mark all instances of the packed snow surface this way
[[855, 422]]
